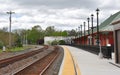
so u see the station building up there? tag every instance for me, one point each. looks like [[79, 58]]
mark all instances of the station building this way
[[105, 33], [109, 33], [116, 25]]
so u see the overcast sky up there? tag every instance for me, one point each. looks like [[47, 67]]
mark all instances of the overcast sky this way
[[63, 14]]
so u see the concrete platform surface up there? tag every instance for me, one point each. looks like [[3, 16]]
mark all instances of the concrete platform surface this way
[[91, 64]]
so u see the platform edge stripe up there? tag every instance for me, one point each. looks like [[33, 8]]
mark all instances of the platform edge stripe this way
[[76, 67], [68, 68]]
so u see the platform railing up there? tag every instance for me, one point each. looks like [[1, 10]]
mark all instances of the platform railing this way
[[106, 51]]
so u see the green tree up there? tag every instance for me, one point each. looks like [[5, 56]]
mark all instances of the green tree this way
[[72, 33], [50, 31], [20, 37], [64, 33], [1, 44], [4, 37], [35, 34]]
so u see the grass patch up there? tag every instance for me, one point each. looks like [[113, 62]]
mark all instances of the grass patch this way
[[15, 49], [0, 50]]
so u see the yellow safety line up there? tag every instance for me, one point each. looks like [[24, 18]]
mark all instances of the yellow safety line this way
[[69, 67], [76, 65]]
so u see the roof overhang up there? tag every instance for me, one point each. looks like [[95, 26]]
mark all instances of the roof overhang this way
[[115, 22], [116, 25]]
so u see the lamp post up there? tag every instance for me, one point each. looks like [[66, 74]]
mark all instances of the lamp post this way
[[84, 31], [88, 19], [76, 36], [81, 34], [88, 31], [92, 26], [10, 21], [98, 41], [97, 10]]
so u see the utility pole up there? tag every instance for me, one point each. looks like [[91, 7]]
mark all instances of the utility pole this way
[[10, 21]]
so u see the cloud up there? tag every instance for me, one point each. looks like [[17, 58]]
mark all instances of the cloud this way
[[110, 5], [57, 3], [63, 14]]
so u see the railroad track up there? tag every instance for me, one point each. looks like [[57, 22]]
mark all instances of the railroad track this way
[[7, 61], [42, 65], [35, 68]]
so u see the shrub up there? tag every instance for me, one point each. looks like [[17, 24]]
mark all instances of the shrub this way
[[61, 42], [1, 44], [18, 43], [55, 42]]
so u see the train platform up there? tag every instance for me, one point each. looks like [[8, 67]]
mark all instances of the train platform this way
[[86, 63]]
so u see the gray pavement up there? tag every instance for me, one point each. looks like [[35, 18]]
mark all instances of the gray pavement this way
[[91, 64]]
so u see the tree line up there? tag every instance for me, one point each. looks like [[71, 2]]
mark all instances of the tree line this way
[[31, 36]]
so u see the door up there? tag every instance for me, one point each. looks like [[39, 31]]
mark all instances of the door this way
[[118, 45]]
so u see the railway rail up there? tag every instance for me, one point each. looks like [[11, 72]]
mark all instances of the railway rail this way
[[39, 67], [7, 61], [44, 57]]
